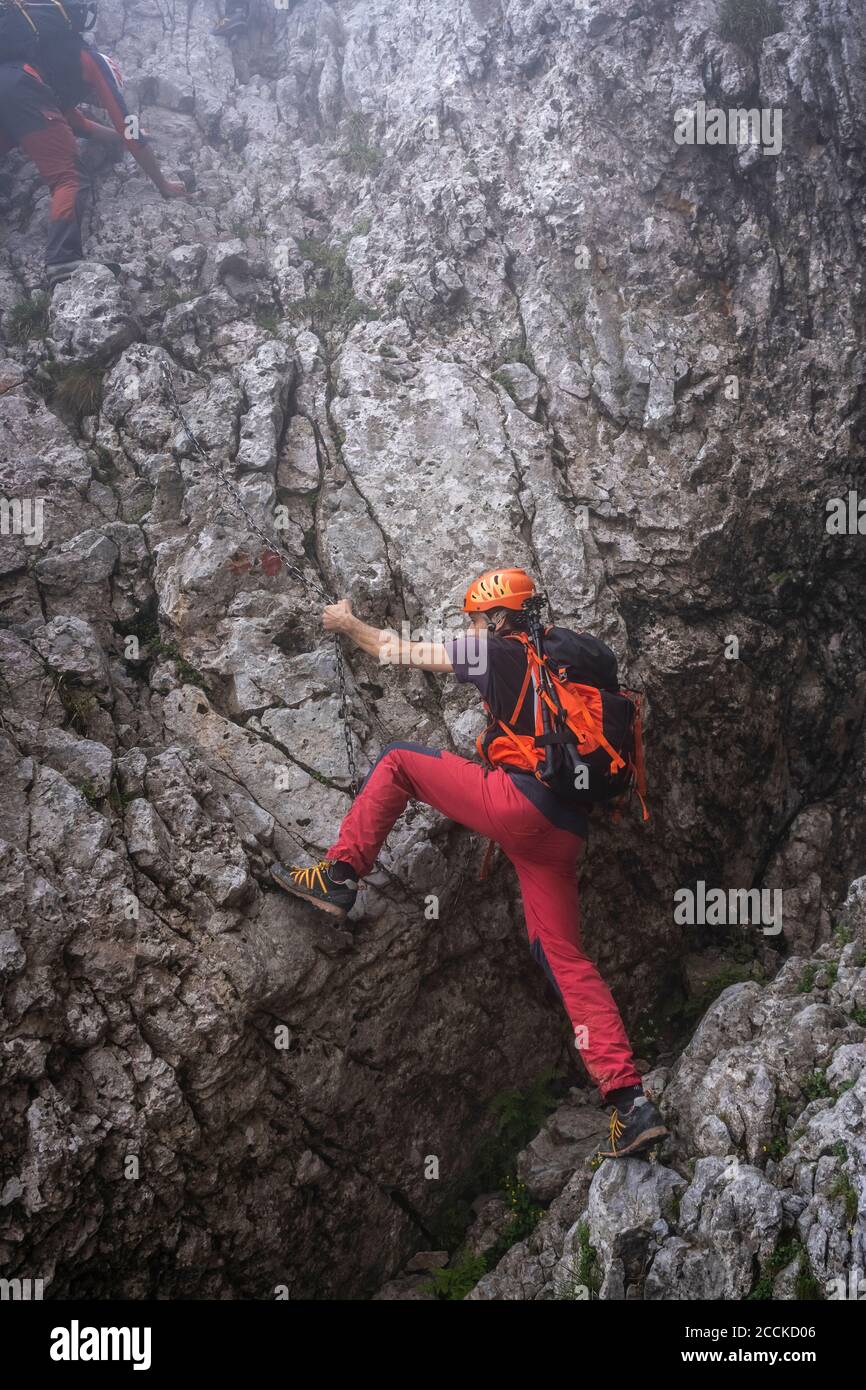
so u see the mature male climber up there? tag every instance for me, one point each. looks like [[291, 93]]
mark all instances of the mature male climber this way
[[47, 69], [542, 833]]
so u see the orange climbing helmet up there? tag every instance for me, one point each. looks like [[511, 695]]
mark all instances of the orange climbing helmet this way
[[504, 588]]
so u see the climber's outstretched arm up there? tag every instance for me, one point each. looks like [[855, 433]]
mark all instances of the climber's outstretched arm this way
[[385, 645], [105, 91]]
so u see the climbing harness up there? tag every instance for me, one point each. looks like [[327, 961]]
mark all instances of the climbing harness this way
[[269, 542]]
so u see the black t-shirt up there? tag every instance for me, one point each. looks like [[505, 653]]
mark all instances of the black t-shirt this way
[[496, 666]]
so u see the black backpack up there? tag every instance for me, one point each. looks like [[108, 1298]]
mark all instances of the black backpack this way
[[58, 56], [48, 34], [19, 36], [54, 18], [587, 744]]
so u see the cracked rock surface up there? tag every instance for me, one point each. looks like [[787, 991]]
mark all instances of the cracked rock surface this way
[[766, 1179], [447, 294]]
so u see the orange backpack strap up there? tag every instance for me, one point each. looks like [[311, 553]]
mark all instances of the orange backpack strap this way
[[522, 696], [515, 738], [615, 760]]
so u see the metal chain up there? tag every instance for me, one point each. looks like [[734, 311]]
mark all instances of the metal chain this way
[[290, 566]]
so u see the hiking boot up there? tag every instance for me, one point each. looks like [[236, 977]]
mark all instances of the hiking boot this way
[[634, 1130], [227, 28], [61, 270], [315, 884]]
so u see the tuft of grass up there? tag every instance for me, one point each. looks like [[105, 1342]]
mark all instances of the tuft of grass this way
[[525, 1216], [842, 935], [844, 1188], [816, 1086], [806, 1287], [188, 674], [806, 982], [779, 1260], [28, 318], [589, 1271], [79, 704], [393, 289], [91, 794], [517, 350], [748, 22], [456, 1281], [585, 1274], [859, 1016], [357, 154], [76, 389], [332, 307]]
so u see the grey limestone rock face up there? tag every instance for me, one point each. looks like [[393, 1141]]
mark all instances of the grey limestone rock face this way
[[88, 318], [762, 1180], [446, 293]]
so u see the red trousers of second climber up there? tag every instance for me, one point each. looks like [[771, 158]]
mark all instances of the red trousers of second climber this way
[[545, 858], [31, 119]]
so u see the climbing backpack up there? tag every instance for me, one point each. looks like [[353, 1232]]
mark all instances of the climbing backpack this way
[[26, 23], [587, 745], [56, 18], [19, 36], [57, 27]]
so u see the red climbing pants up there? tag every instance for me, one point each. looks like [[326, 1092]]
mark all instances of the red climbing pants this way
[[30, 118], [545, 858]]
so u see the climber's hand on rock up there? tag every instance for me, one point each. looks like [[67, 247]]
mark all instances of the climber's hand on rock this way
[[338, 617]]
